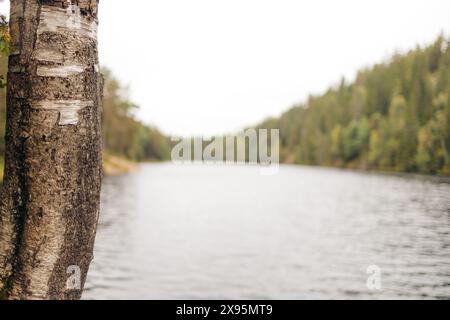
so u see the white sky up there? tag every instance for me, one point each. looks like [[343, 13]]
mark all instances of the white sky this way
[[214, 66]]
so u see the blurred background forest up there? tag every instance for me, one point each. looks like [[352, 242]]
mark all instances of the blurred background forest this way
[[395, 116]]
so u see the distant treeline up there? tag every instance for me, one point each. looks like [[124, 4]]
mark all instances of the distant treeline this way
[[123, 135], [395, 116]]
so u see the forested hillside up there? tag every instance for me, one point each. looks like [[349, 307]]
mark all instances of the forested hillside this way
[[123, 134], [394, 116]]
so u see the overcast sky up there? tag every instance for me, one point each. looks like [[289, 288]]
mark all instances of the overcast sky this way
[[210, 66]]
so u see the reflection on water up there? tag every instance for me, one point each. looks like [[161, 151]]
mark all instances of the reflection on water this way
[[212, 232]]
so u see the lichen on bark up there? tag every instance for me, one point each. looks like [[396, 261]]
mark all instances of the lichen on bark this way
[[50, 200]]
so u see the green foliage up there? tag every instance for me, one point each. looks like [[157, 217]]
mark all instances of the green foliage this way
[[354, 139], [5, 45], [125, 136], [394, 116]]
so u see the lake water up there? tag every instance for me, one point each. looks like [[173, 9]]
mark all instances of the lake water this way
[[213, 232]]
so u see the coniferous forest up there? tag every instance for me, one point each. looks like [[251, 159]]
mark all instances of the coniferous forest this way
[[395, 116]]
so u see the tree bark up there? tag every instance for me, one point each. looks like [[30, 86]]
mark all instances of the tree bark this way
[[50, 199]]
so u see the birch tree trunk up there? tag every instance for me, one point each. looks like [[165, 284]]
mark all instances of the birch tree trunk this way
[[50, 200]]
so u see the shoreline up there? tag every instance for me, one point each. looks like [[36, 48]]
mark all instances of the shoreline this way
[[444, 177], [116, 166]]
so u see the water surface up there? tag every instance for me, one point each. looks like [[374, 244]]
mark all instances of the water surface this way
[[216, 232]]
